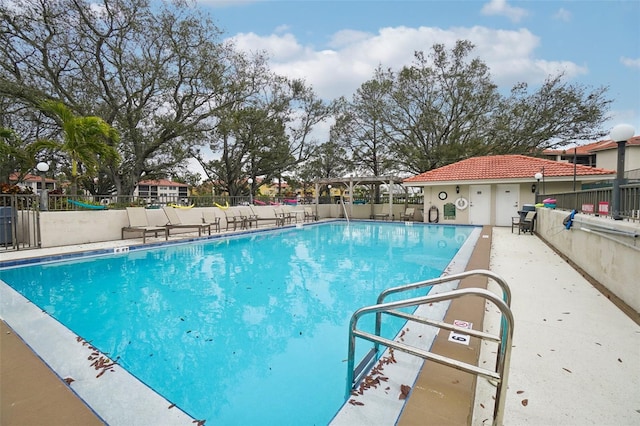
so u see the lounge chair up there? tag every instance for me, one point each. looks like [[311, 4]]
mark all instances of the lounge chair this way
[[175, 222], [234, 217], [309, 215], [285, 214], [524, 223], [209, 217], [384, 214], [139, 223], [249, 217], [408, 214], [266, 214]]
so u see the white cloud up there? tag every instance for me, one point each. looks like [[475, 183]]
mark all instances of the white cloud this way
[[282, 29], [501, 8], [225, 3], [354, 55], [562, 15], [280, 47], [630, 62], [347, 37]]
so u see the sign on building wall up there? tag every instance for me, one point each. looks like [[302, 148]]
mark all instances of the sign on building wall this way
[[449, 211]]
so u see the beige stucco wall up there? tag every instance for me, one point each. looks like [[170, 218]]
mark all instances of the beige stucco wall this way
[[525, 196], [92, 226], [611, 259], [608, 159], [632, 157]]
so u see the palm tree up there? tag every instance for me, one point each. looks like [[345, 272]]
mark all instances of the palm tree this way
[[15, 156], [85, 140]]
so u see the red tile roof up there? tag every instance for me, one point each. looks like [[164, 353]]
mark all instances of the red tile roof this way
[[161, 182], [504, 167], [592, 147], [13, 177]]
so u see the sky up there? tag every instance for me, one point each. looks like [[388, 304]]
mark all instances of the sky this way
[[335, 45]]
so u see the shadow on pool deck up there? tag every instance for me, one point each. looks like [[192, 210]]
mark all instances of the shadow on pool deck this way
[[574, 359]]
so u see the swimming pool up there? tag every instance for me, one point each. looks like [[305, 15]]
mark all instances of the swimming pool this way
[[239, 330]]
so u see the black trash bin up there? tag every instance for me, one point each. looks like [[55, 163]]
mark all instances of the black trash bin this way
[[6, 230]]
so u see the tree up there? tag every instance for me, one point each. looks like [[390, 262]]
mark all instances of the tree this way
[[361, 127], [86, 141], [329, 160], [157, 74], [248, 141], [441, 108], [555, 115], [14, 157], [267, 135], [445, 108]]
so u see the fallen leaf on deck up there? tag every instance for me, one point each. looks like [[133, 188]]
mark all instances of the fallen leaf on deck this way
[[404, 391], [68, 380], [566, 369], [525, 402]]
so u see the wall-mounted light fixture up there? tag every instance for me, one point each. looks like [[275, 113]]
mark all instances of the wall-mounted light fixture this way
[[457, 189], [533, 188]]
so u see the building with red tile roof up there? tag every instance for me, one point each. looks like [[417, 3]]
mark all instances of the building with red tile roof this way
[[491, 190], [599, 154], [32, 181], [499, 168], [163, 190]]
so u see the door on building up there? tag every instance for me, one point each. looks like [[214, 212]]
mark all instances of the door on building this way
[[480, 204], [507, 196]]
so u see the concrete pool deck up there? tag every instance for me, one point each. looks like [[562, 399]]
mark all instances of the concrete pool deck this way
[[574, 361]]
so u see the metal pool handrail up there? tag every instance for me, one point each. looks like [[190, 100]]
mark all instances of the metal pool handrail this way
[[506, 296], [506, 291], [505, 338], [344, 208]]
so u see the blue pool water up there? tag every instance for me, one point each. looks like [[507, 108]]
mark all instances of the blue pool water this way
[[243, 330]]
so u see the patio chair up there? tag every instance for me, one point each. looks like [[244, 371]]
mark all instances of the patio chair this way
[[234, 217], [209, 217], [139, 223], [384, 214], [285, 214], [249, 217], [408, 214], [266, 214], [524, 223], [309, 215], [175, 222]]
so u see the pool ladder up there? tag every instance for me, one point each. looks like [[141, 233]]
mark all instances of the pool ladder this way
[[499, 374], [344, 209]]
